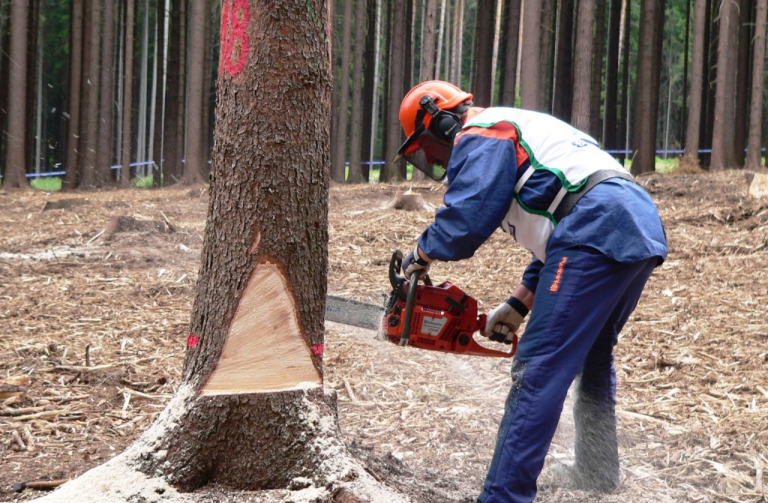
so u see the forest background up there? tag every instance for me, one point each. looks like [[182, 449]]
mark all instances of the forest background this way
[[89, 87]]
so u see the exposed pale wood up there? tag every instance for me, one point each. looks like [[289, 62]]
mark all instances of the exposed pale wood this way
[[264, 350], [759, 185]]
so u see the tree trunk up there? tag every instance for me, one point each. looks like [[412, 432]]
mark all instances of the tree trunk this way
[[582, 64], [440, 38], [125, 172], [597, 70], [612, 76], [5, 42], [647, 94], [106, 143], [563, 79], [756, 108], [193, 164], [85, 90], [71, 165], [722, 145], [429, 42], [624, 110], [160, 66], [547, 54], [173, 144], [482, 79], [691, 155], [339, 163], [89, 167], [370, 86], [742, 82], [251, 411], [530, 85], [209, 91], [458, 41], [16, 159], [141, 123], [390, 171], [510, 37], [356, 132]]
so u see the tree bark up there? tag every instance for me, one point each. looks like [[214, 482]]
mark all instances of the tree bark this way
[[5, 42], [193, 164], [510, 38], [106, 145], [595, 127], [16, 158], [71, 164], [339, 163], [691, 155], [722, 144], [530, 85], [160, 65], [173, 144], [251, 412], [482, 79], [89, 178], [563, 79], [582, 64], [125, 172], [458, 41], [356, 132], [370, 86], [390, 171], [624, 109], [647, 94], [547, 54], [756, 109], [612, 76], [746, 8]]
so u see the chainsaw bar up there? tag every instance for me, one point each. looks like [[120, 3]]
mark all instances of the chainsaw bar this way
[[352, 312]]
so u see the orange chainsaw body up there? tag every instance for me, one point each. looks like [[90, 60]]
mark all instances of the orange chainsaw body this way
[[443, 318]]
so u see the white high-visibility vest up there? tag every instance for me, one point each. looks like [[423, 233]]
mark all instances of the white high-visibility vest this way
[[551, 145]]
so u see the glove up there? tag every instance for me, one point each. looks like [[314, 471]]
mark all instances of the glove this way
[[413, 262], [502, 323]]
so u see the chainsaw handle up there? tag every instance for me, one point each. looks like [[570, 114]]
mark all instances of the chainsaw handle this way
[[481, 321], [410, 301], [397, 281]]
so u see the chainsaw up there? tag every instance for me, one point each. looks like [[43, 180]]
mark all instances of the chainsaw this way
[[426, 316]]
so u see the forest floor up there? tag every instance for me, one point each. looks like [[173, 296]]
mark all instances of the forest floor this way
[[93, 331]]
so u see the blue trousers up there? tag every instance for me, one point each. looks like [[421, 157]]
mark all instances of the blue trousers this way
[[581, 304]]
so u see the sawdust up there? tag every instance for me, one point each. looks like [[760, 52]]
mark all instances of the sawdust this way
[[692, 398]]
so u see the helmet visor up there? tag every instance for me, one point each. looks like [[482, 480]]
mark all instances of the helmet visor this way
[[428, 154]]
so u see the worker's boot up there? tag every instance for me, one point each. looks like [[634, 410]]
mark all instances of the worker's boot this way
[[596, 445]]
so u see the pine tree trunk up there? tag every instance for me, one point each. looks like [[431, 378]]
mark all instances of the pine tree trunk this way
[[338, 166], [722, 145], [647, 94], [612, 77], [160, 65], [370, 86], [125, 172], [85, 90], [708, 111], [173, 146], [582, 63], [390, 171], [509, 47], [16, 159], [458, 41], [530, 85], [71, 164], [89, 178], [624, 109], [691, 155], [756, 108], [597, 70], [5, 42], [482, 79], [356, 131], [440, 38], [563, 80], [429, 41], [547, 55], [209, 91], [106, 145], [193, 164], [743, 82], [39, 103]]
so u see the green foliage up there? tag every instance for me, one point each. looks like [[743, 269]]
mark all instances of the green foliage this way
[[47, 184]]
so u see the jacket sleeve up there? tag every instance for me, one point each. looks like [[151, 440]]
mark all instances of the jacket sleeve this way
[[481, 175], [531, 275]]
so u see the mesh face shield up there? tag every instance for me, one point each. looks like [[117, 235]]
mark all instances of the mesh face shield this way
[[427, 153]]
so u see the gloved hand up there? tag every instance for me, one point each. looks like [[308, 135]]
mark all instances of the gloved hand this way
[[413, 262], [502, 323]]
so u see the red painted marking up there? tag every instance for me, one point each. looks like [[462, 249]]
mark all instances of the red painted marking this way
[[193, 340], [235, 15], [318, 349]]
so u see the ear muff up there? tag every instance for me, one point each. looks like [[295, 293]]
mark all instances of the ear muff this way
[[445, 125]]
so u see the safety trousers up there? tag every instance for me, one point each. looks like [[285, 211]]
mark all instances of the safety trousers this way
[[582, 301]]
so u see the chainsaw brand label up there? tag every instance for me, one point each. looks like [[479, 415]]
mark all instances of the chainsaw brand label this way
[[432, 326]]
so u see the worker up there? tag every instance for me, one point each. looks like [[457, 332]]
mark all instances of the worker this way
[[595, 237]]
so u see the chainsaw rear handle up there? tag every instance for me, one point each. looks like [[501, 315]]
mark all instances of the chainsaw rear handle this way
[[481, 321]]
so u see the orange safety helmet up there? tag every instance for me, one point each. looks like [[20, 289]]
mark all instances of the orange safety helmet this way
[[429, 123]]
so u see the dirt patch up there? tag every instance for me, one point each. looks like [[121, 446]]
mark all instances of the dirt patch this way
[[98, 328]]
